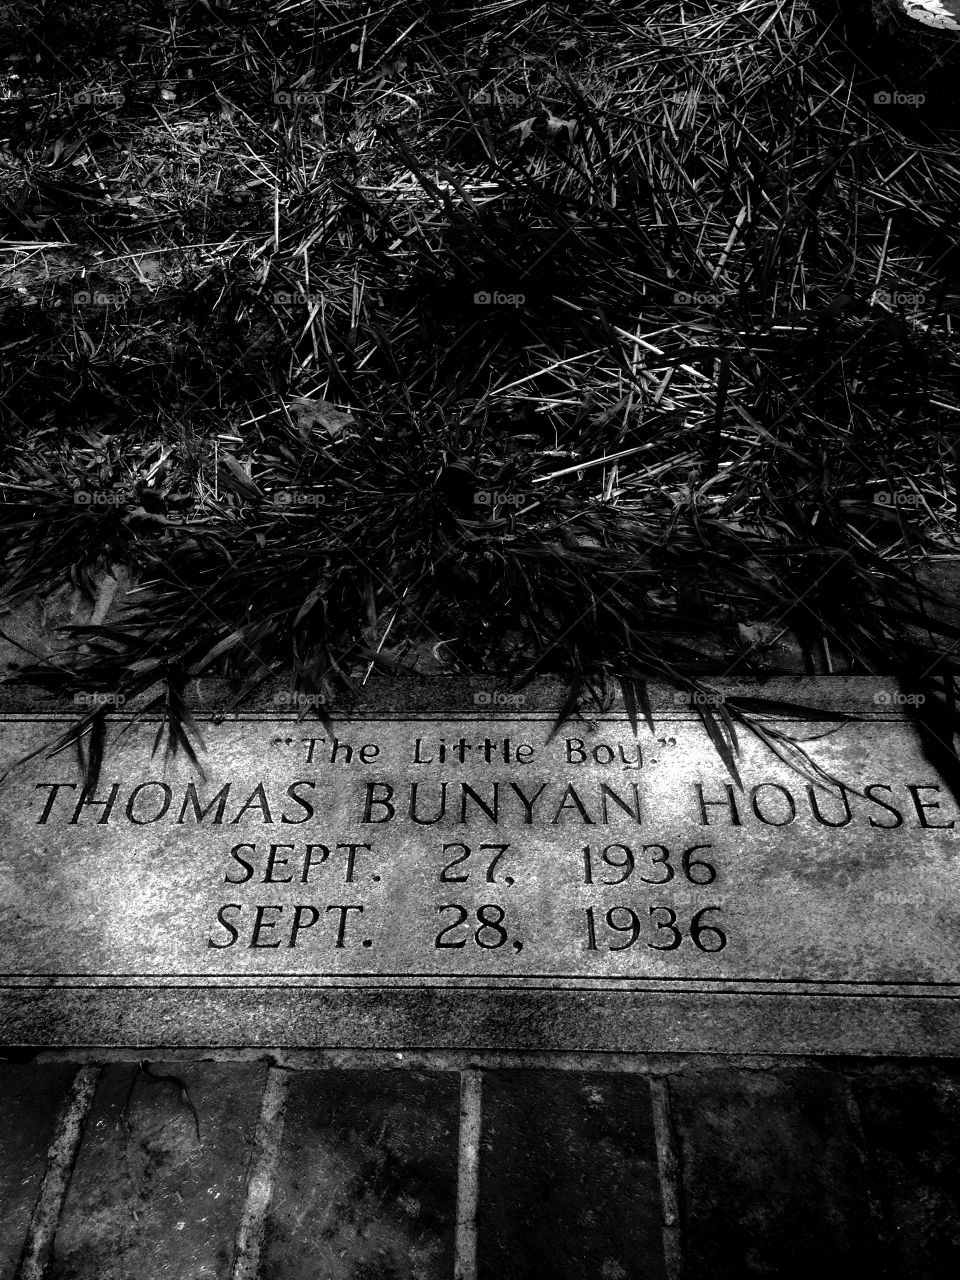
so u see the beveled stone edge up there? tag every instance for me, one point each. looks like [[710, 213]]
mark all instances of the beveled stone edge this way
[[502, 1021]]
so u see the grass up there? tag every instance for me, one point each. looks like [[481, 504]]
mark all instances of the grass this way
[[724, 405]]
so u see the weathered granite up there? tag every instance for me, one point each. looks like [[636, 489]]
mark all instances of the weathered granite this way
[[774, 1182], [911, 1130], [563, 1156], [785, 1167], [366, 1180], [30, 1100], [429, 902], [158, 1186]]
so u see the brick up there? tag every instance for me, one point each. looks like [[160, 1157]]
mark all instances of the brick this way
[[773, 1180], [911, 1124], [366, 1181], [152, 1201], [569, 1186], [31, 1097]]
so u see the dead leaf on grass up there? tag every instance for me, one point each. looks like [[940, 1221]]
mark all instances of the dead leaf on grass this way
[[311, 415]]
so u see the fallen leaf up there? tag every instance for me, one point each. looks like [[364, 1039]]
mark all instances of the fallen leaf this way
[[316, 414], [240, 474]]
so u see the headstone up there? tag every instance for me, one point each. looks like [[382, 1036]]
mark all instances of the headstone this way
[[455, 878], [938, 15]]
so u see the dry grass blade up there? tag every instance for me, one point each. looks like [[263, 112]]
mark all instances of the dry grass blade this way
[[594, 339]]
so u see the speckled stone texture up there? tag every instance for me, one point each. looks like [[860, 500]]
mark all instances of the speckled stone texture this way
[[774, 1168], [911, 1127], [569, 1181], [774, 1178], [366, 1180], [151, 1197], [130, 919], [30, 1099]]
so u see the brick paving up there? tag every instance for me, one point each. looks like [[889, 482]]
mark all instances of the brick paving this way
[[30, 1100], [773, 1176], [634, 1168], [563, 1155], [157, 1188], [366, 1179]]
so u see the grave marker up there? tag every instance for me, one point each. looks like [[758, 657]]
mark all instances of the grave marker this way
[[454, 880]]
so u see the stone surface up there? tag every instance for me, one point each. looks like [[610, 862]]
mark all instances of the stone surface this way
[[30, 1100], [912, 1129], [773, 1181], [367, 886], [569, 1185], [833, 1168], [148, 1196], [366, 1184]]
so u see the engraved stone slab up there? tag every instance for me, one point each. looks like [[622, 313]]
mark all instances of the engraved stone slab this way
[[459, 881]]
